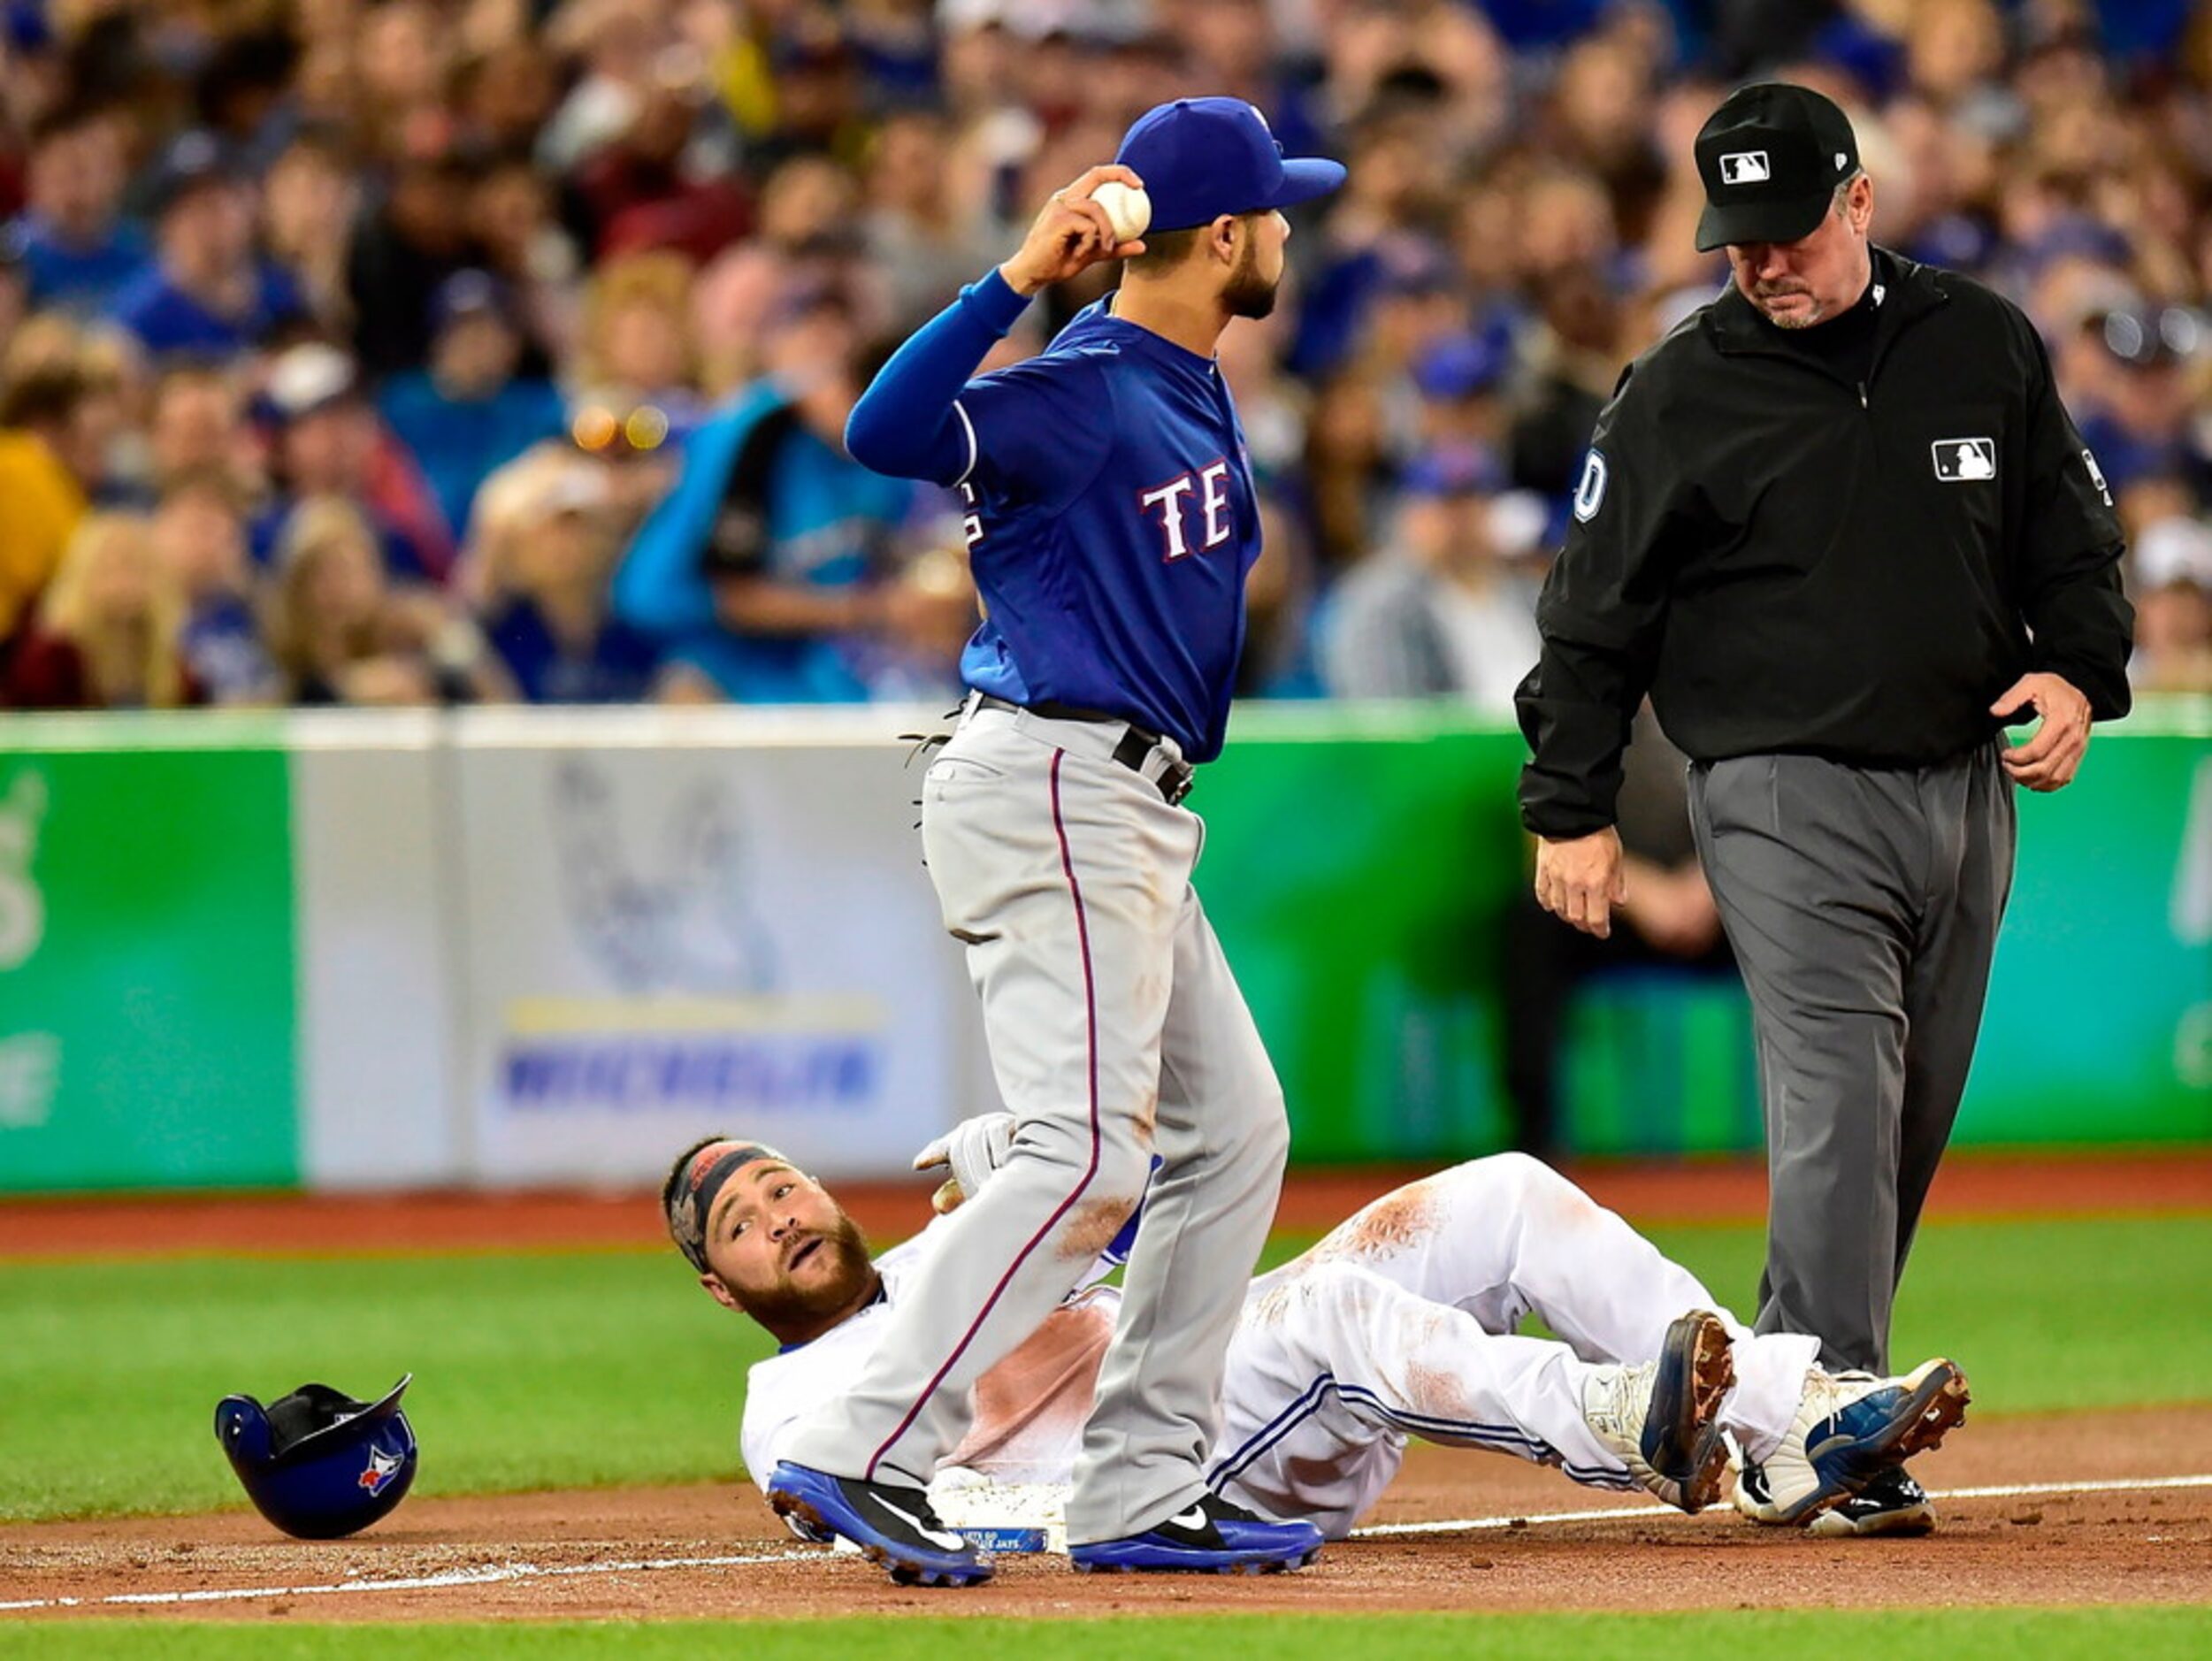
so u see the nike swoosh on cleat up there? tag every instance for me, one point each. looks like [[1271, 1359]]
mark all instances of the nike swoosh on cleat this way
[[935, 1537], [1195, 1518]]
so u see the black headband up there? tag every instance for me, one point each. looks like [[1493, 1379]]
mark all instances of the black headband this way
[[692, 1202]]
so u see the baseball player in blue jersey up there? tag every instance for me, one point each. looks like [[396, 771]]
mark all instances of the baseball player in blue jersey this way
[[1111, 522]]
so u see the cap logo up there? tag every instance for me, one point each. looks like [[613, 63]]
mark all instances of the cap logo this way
[[1841, 161], [1744, 167]]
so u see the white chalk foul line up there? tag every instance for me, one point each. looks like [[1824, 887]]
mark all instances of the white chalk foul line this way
[[2009, 1490], [489, 1574], [492, 1574]]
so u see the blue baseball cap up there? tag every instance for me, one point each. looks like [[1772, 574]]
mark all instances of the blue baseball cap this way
[[1462, 366], [1202, 158], [469, 293], [1453, 470]]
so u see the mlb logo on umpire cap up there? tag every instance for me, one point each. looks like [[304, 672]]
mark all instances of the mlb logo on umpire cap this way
[[1961, 461], [1770, 158]]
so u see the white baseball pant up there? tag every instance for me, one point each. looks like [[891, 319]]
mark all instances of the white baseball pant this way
[[1400, 1323]]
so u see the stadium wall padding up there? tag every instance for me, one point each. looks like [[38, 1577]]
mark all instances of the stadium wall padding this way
[[501, 948]]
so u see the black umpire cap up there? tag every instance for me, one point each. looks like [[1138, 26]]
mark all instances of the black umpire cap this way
[[1771, 156]]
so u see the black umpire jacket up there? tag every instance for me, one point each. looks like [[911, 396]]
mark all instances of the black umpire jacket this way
[[1787, 561]]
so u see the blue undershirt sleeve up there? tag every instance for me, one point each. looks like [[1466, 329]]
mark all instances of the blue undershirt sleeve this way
[[907, 423]]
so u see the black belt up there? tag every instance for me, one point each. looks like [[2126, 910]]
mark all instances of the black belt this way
[[1135, 749]]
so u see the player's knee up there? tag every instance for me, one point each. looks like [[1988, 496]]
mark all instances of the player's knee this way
[[1264, 1141], [1509, 1181], [1124, 1168]]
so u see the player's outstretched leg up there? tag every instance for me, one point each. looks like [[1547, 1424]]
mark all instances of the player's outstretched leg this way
[[1662, 1418], [1212, 1536], [894, 1526], [1852, 1435]]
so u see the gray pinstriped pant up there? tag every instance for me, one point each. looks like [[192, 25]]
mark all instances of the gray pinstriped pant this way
[[1116, 1032], [1862, 905]]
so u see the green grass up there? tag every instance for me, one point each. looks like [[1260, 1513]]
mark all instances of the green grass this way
[[583, 1369], [2141, 1634], [540, 1371], [2047, 1316]]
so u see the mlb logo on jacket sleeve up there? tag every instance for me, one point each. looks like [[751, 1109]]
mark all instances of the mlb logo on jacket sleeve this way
[[1963, 461], [1745, 167]]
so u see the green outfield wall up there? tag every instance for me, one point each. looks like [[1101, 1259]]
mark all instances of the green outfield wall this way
[[146, 972], [511, 946], [1356, 863]]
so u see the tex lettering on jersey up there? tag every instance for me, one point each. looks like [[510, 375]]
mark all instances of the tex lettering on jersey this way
[[1194, 501]]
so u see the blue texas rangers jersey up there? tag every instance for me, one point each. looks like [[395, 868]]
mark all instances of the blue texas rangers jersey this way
[[1110, 524]]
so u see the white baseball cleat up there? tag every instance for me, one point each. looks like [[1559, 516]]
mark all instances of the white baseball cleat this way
[[1852, 1430], [1659, 1418]]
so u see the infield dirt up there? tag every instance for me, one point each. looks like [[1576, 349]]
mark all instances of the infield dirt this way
[[2127, 1546]]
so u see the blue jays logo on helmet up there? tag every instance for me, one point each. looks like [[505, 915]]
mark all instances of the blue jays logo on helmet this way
[[382, 1468], [316, 1463]]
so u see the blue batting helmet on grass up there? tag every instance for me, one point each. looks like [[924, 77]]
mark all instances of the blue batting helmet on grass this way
[[316, 1463]]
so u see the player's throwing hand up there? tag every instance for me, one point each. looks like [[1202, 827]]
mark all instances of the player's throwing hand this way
[[1071, 234]]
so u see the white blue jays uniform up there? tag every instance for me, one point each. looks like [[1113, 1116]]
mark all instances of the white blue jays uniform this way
[[1399, 1323], [1113, 521]]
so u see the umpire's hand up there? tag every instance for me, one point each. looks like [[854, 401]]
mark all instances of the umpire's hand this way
[[1072, 234], [2050, 759], [1580, 880]]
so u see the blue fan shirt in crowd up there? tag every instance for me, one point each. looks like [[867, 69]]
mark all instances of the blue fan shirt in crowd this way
[[825, 517], [459, 441], [1113, 517], [404, 559], [168, 320], [81, 279], [617, 668], [221, 646]]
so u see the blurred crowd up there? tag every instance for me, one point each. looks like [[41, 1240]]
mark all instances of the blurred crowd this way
[[408, 351]]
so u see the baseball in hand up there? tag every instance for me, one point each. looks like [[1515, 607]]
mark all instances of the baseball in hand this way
[[1128, 208]]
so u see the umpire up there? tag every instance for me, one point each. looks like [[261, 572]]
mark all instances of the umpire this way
[[1840, 527]]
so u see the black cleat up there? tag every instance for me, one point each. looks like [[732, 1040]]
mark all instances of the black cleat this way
[[1891, 1503]]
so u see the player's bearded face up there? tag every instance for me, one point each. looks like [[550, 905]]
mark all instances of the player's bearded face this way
[[1248, 292], [813, 1270]]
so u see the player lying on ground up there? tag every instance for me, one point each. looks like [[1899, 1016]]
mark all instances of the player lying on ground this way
[[1399, 1323]]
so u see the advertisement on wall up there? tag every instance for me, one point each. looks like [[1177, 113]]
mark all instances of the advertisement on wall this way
[[146, 970], [663, 944]]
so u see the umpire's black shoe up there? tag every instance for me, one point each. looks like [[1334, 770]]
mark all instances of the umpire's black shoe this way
[[891, 1525], [1209, 1537], [1891, 1503]]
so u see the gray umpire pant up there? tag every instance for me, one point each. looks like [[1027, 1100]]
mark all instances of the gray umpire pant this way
[[1862, 905]]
